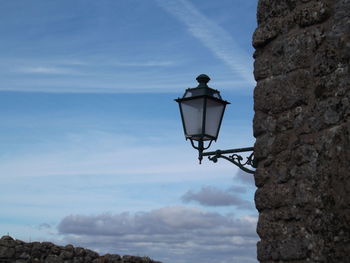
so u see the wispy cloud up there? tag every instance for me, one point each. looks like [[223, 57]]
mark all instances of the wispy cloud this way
[[51, 70], [214, 37], [76, 67], [101, 153], [106, 83], [145, 64], [91, 75]]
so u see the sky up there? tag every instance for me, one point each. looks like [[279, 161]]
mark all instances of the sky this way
[[92, 150]]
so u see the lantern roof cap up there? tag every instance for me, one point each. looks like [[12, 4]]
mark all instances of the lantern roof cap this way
[[202, 89], [203, 80]]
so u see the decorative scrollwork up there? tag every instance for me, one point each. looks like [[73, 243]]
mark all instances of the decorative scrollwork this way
[[234, 158]]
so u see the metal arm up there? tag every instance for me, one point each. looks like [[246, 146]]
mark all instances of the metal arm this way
[[233, 158]]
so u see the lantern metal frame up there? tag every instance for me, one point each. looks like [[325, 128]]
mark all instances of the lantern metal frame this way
[[205, 92], [205, 96]]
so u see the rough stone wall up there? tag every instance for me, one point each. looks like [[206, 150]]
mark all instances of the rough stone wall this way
[[35, 252], [302, 130]]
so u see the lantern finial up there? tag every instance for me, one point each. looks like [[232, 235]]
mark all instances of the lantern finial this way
[[203, 80]]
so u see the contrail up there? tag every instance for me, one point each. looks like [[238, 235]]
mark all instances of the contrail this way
[[212, 36]]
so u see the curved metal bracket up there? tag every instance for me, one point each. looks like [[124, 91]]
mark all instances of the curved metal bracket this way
[[234, 158]]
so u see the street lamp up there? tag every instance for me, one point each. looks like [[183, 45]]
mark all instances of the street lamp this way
[[202, 110]]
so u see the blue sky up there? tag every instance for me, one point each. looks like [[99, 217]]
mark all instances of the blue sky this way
[[92, 150]]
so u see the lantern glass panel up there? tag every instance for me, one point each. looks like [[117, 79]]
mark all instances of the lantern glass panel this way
[[214, 113], [192, 111]]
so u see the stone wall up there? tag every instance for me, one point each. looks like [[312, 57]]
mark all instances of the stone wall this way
[[35, 252], [302, 130]]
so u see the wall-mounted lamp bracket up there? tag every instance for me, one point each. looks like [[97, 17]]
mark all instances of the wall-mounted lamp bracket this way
[[234, 158], [202, 109]]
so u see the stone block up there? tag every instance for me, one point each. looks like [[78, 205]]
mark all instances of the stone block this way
[[269, 9], [272, 196], [7, 252], [265, 33], [262, 146], [7, 241], [311, 13], [53, 259], [261, 176]]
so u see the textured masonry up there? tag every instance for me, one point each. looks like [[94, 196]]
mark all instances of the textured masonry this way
[[302, 130], [17, 251]]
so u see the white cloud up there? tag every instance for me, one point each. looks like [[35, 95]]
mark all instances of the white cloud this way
[[212, 36], [53, 70], [171, 234]]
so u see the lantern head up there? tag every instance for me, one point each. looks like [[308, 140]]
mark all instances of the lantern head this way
[[202, 110]]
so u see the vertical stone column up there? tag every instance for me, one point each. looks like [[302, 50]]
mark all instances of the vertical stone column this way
[[302, 130]]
